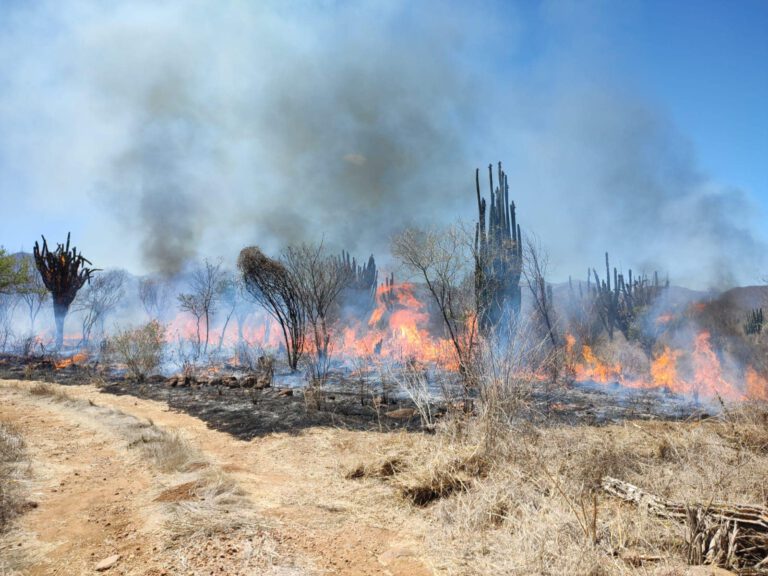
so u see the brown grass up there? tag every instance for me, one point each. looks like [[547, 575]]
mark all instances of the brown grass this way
[[12, 456], [51, 391], [531, 503]]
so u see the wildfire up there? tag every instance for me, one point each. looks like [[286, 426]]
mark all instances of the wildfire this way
[[595, 370], [397, 328], [664, 370], [696, 372], [757, 386], [73, 360]]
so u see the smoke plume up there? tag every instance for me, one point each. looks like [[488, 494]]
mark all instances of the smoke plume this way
[[201, 127]]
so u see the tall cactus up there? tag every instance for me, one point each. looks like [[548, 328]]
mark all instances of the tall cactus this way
[[363, 280], [618, 305], [754, 323], [64, 272], [498, 256]]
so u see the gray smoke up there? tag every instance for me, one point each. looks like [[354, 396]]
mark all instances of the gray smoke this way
[[202, 127]]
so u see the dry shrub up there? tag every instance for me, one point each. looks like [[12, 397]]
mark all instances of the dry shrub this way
[[590, 459], [49, 390], [532, 504], [385, 467], [168, 450], [141, 349], [12, 454], [747, 426], [219, 506]]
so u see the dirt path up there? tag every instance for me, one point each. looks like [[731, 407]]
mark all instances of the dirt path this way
[[96, 498]]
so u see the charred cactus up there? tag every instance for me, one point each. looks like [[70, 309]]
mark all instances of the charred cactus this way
[[754, 323], [362, 283], [64, 272], [498, 256], [618, 305]]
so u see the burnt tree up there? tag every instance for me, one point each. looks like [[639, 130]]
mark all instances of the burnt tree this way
[[274, 288], [64, 272], [498, 256]]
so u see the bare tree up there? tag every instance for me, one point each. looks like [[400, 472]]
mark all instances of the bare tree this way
[[274, 288], [98, 300], [154, 295], [206, 284], [320, 279], [33, 293], [443, 259], [64, 272], [535, 262], [234, 304], [8, 303]]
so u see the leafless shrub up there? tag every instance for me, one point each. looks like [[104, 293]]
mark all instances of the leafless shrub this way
[[98, 300], [319, 280], [207, 284], [442, 258], [535, 264], [507, 370], [274, 288], [33, 293], [154, 295], [8, 303], [140, 349]]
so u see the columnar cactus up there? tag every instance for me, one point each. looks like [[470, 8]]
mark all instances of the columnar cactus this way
[[618, 305], [498, 256]]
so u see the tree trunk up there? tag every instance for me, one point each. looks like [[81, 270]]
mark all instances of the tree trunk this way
[[59, 314]]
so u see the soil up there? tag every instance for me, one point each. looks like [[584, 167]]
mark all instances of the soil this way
[[95, 498]]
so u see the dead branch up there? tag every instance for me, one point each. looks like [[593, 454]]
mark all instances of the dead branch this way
[[733, 536]]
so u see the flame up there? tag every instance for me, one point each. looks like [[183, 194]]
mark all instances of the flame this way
[[696, 372], [73, 360], [664, 370], [397, 328], [757, 385], [595, 370]]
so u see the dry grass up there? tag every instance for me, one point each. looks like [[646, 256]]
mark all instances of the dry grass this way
[[168, 450], [51, 391], [12, 456], [531, 503]]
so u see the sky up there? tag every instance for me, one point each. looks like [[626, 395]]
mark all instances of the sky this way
[[163, 132]]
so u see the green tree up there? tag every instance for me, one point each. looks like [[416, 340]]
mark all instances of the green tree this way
[[13, 272]]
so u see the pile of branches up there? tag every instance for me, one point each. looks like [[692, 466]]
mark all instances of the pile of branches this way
[[727, 535]]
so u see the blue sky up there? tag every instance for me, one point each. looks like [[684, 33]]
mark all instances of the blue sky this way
[[187, 129]]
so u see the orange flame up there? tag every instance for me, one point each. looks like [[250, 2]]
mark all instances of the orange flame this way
[[73, 360], [696, 372]]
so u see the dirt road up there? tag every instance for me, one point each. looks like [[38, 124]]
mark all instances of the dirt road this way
[[97, 499]]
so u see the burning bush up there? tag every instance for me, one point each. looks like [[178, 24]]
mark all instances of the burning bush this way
[[141, 349]]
